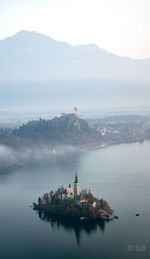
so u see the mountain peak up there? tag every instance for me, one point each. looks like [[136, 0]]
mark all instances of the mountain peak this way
[[31, 34], [29, 55], [33, 38], [91, 47], [22, 32]]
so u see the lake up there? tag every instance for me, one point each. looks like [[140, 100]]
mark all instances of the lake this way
[[120, 174]]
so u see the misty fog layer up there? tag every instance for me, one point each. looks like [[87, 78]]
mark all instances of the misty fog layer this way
[[10, 157], [64, 95]]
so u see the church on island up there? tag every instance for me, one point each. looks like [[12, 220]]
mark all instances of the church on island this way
[[73, 203], [73, 193]]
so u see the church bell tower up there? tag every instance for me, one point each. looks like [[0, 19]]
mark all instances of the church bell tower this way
[[76, 186]]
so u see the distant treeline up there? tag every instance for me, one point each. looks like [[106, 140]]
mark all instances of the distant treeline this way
[[64, 130]]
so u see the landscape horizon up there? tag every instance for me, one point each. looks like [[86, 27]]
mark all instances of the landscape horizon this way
[[74, 129]]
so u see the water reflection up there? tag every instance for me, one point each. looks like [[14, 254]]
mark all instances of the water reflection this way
[[74, 226]]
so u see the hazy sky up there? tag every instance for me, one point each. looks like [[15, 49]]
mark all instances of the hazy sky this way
[[119, 26]]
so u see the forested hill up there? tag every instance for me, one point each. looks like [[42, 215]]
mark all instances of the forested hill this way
[[68, 129]]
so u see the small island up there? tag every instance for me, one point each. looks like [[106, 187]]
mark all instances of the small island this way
[[70, 202]]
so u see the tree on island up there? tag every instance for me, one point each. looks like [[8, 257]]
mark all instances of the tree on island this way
[[90, 207]]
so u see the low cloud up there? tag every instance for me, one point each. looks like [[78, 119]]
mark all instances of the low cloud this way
[[10, 157]]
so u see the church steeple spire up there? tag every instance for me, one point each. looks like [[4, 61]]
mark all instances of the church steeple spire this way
[[76, 178], [76, 186]]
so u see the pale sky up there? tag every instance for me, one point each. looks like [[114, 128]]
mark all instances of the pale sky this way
[[119, 26]]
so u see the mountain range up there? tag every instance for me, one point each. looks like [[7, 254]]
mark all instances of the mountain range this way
[[33, 56], [38, 73]]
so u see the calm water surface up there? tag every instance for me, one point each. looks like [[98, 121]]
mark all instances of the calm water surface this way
[[120, 174]]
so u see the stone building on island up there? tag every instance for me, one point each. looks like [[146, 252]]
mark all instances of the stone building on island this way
[[70, 192], [74, 193]]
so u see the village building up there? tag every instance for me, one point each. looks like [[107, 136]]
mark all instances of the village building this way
[[68, 193], [82, 199]]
